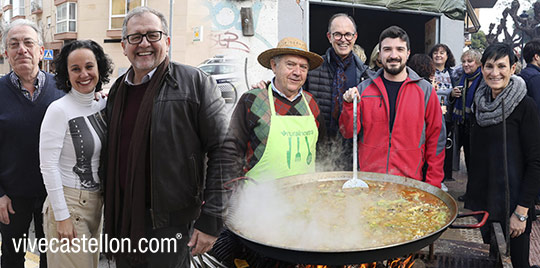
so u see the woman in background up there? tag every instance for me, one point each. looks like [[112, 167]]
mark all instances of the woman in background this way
[[444, 61], [460, 101], [423, 65], [374, 61], [72, 134]]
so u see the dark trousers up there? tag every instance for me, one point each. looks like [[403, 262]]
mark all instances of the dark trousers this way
[[448, 153], [463, 132], [519, 246], [26, 209], [178, 259]]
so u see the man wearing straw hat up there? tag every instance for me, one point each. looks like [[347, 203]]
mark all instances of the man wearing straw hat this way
[[274, 130]]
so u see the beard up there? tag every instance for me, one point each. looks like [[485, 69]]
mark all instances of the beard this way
[[393, 70]]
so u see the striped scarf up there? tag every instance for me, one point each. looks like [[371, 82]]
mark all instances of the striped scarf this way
[[468, 96], [338, 86]]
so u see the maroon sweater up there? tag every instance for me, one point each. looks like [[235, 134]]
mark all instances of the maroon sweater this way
[[132, 103]]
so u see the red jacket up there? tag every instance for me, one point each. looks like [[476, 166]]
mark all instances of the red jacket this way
[[418, 134]]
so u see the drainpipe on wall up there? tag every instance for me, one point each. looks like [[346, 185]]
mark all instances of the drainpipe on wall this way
[[171, 3]]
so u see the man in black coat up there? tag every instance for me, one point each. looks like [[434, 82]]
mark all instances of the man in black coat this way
[[531, 73], [341, 70]]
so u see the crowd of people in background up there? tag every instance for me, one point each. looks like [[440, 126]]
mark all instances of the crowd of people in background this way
[[150, 159]]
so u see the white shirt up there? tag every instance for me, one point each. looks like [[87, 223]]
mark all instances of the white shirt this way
[[146, 78], [70, 146]]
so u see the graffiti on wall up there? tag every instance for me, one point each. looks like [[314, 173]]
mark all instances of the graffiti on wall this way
[[229, 40], [227, 27]]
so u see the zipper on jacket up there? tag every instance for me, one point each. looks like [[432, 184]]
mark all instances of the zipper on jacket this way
[[392, 127], [389, 148]]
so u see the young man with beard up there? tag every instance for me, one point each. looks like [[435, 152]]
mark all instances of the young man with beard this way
[[400, 119]]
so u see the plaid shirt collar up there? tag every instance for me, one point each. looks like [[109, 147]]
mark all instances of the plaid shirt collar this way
[[283, 95], [38, 83]]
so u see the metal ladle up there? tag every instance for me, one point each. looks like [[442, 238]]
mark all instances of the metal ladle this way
[[355, 182]]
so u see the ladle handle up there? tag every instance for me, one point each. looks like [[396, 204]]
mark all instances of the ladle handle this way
[[355, 137]]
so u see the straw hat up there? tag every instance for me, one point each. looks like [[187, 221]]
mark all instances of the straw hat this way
[[290, 46]]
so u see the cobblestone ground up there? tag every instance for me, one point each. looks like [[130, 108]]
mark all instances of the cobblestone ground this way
[[457, 188], [534, 256]]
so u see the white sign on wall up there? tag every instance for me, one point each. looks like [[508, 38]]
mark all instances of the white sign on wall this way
[[198, 34]]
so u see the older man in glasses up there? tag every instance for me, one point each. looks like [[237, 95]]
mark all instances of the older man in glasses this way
[[25, 94], [165, 119], [340, 70]]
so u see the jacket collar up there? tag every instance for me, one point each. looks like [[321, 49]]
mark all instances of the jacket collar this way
[[530, 65]]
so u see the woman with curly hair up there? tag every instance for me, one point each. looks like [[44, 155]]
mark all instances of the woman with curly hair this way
[[423, 65], [444, 61], [70, 143]]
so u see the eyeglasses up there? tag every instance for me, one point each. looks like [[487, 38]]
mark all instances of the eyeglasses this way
[[28, 43], [152, 36], [338, 36]]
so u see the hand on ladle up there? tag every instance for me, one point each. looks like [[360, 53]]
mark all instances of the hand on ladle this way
[[349, 95]]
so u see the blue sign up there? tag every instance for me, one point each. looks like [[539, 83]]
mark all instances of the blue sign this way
[[48, 54]]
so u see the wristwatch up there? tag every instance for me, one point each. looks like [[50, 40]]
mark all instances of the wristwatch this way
[[521, 218]]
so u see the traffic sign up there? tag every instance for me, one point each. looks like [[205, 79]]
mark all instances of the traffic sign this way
[[48, 54]]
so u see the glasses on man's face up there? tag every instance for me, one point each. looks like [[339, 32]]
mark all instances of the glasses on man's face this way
[[28, 43], [152, 36], [338, 36]]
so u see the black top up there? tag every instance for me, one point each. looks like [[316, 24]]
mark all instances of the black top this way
[[485, 187], [392, 89]]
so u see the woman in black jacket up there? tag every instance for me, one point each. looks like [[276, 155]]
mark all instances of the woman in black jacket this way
[[505, 121]]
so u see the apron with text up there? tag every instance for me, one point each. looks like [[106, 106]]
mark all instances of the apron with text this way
[[290, 147]]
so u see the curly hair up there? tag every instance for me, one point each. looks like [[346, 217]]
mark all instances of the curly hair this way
[[423, 65], [105, 66], [450, 61]]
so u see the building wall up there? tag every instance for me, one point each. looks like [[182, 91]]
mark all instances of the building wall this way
[[93, 23], [452, 36], [221, 30], [228, 39]]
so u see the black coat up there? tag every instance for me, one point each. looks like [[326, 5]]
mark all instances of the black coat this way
[[319, 84], [485, 186], [188, 126]]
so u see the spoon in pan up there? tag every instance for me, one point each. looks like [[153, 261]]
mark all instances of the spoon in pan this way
[[355, 182]]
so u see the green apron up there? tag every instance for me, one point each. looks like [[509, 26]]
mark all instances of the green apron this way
[[290, 148]]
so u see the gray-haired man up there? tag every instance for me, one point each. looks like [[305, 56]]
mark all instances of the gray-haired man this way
[[165, 118], [25, 94]]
